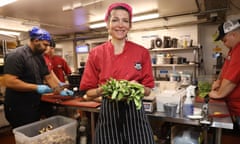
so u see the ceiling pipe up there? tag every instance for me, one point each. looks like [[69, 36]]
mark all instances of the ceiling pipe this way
[[212, 11]]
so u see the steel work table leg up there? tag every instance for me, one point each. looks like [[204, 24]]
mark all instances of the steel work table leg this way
[[217, 135], [205, 136], [92, 126]]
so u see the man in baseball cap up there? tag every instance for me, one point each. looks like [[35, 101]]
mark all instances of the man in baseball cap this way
[[225, 28], [227, 87]]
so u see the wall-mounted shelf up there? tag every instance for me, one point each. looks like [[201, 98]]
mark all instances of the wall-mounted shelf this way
[[174, 65], [193, 63], [173, 49]]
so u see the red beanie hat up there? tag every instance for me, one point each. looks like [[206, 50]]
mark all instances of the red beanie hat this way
[[114, 5]]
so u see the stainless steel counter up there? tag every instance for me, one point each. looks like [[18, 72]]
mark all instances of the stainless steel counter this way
[[218, 123], [223, 122]]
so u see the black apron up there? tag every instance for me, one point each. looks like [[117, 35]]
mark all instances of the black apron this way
[[121, 123]]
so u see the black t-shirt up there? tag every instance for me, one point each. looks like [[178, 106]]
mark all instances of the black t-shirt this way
[[29, 68]]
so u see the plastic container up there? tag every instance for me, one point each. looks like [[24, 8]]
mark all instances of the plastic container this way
[[170, 109], [163, 75], [160, 59], [174, 76], [64, 131], [186, 78], [186, 135], [169, 96]]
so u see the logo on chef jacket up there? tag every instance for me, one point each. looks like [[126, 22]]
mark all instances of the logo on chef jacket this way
[[138, 66]]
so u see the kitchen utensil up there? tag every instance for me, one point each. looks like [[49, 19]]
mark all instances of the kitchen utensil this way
[[219, 115], [174, 42], [167, 42], [158, 42]]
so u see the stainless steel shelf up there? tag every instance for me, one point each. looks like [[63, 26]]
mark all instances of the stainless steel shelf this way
[[194, 65], [172, 49], [174, 65]]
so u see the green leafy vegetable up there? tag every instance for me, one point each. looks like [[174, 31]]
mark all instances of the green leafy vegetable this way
[[123, 90], [204, 88]]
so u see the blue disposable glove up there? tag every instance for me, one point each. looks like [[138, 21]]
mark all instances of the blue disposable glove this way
[[66, 92], [42, 89]]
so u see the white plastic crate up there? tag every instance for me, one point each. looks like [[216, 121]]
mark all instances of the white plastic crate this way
[[169, 96], [64, 131]]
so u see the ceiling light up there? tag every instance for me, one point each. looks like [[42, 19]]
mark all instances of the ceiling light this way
[[9, 33], [91, 3], [6, 2], [66, 8], [97, 25], [77, 5], [13, 24], [134, 19], [145, 17]]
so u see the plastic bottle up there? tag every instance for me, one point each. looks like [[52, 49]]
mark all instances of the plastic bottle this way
[[188, 105]]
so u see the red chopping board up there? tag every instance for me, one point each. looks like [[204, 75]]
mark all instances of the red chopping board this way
[[80, 102], [69, 101], [56, 96], [201, 100]]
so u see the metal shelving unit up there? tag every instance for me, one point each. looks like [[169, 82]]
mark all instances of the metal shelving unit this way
[[193, 64], [173, 49], [174, 65]]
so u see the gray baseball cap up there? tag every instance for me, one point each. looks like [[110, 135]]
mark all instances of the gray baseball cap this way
[[225, 28]]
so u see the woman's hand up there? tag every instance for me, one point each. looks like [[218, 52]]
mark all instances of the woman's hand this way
[[87, 98], [147, 90], [91, 94]]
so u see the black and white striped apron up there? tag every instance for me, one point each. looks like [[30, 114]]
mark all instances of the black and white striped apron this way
[[121, 123]]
